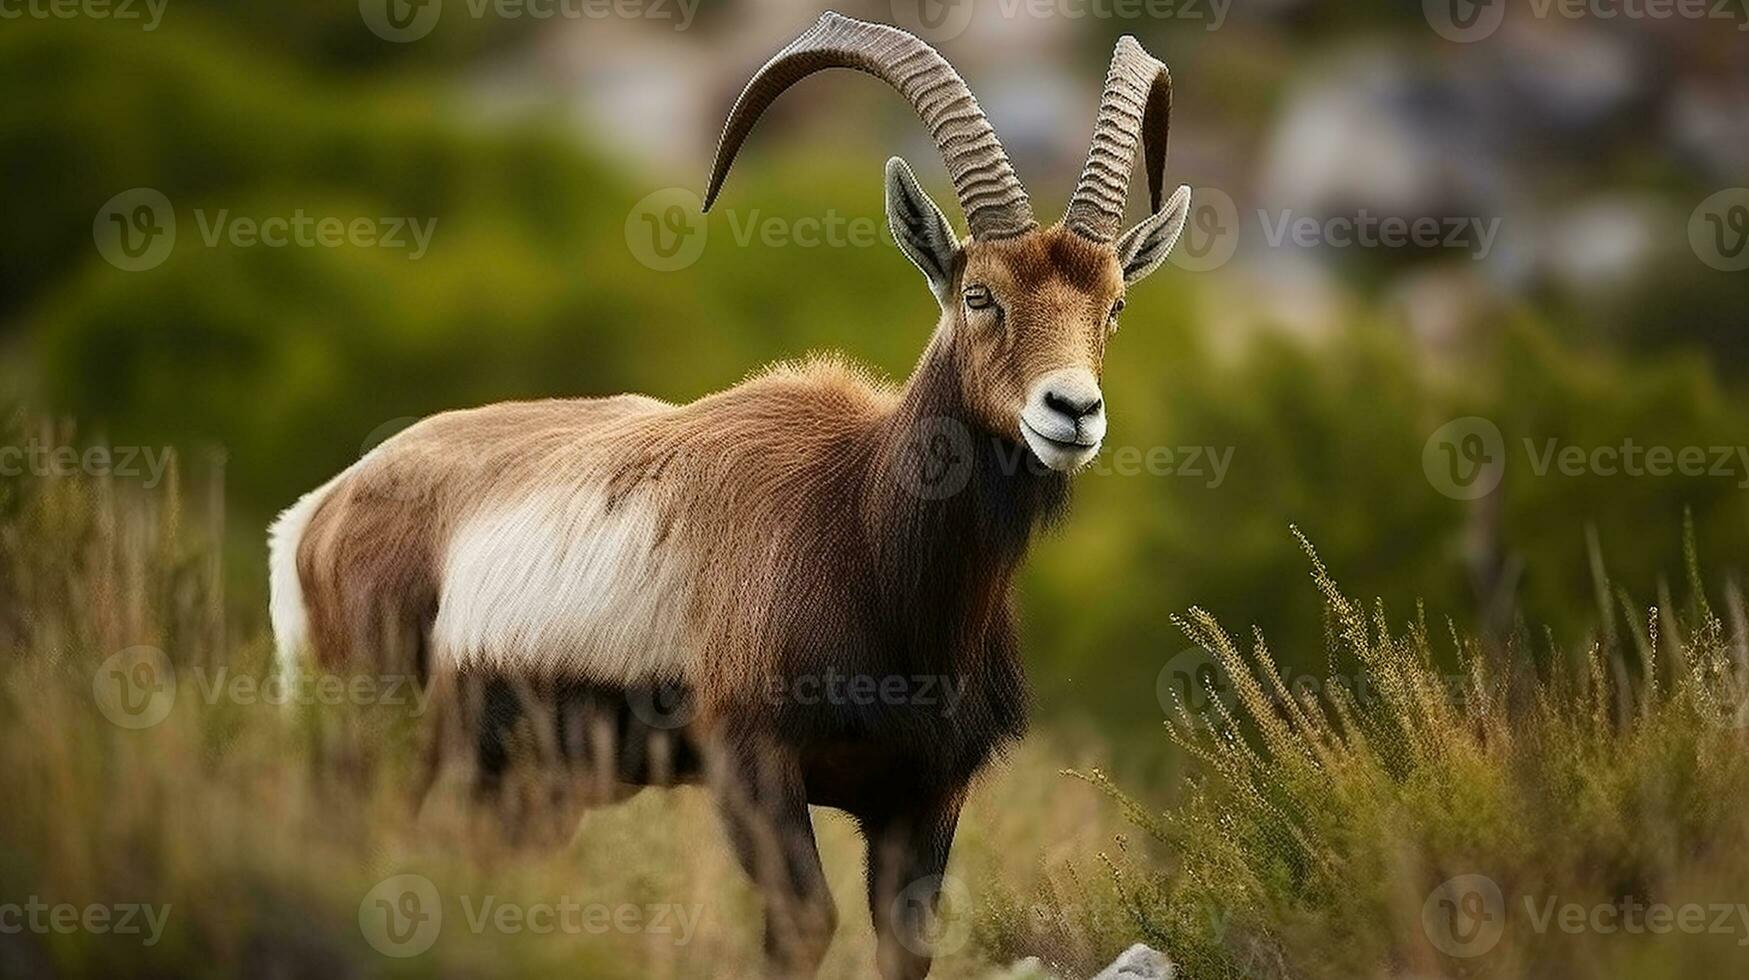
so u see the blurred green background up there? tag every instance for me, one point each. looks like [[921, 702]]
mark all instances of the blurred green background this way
[[1319, 371]]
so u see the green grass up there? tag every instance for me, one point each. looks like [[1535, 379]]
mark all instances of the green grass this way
[[1312, 840], [265, 827], [1318, 838]]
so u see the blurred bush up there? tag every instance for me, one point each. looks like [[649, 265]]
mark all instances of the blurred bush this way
[[1331, 436], [294, 359]]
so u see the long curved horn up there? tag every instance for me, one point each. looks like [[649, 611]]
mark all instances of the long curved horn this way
[[994, 202], [1136, 107]]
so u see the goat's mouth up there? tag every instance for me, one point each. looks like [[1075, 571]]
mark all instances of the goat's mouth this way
[[1061, 455]]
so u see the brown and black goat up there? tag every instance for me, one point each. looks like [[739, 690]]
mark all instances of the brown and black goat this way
[[751, 590]]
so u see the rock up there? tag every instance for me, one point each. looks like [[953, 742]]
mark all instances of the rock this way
[[1139, 962]]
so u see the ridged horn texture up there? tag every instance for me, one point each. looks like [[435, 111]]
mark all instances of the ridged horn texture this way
[[994, 202], [1136, 107]]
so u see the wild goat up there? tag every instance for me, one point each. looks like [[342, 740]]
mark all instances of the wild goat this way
[[809, 523]]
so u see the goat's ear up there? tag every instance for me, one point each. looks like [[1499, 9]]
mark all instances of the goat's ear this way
[[1144, 247], [920, 229]]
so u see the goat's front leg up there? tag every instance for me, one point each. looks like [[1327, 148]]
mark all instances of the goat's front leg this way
[[764, 803], [907, 853]]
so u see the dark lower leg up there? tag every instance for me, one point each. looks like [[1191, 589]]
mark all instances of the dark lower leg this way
[[764, 805], [907, 855]]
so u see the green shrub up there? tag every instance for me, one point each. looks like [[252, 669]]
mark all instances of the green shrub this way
[[1328, 830], [292, 361]]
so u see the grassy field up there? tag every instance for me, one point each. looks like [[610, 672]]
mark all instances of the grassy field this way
[[1426, 806], [149, 763], [1515, 811]]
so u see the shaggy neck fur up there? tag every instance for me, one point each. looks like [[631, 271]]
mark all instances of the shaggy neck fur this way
[[953, 505], [943, 561]]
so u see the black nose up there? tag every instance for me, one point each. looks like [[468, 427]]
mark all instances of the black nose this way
[[1073, 407]]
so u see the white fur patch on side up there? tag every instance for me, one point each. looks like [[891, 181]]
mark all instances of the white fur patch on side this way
[[291, 618], [557, 582]]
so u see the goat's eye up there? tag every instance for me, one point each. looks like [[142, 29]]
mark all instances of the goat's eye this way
[[1111, 319], [978, 297]]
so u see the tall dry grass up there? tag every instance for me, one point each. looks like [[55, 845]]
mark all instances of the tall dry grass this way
[[1441, 808], [265, 827], [1342, 833]]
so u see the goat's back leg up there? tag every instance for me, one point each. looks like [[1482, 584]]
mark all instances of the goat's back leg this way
[[760, 793]]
